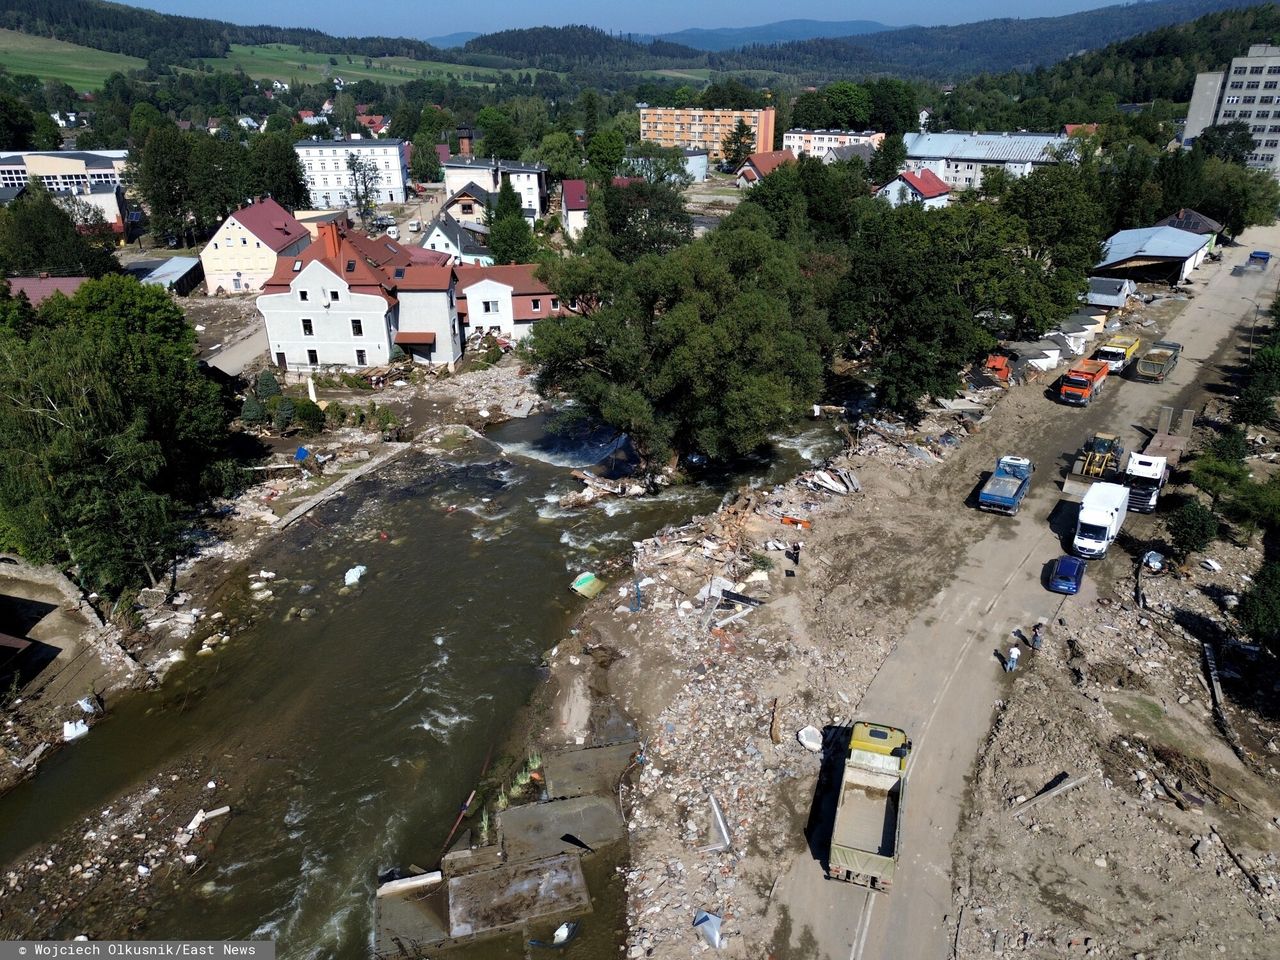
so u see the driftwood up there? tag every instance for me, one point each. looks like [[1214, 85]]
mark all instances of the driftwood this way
[[1050, 794], [1253, 881]]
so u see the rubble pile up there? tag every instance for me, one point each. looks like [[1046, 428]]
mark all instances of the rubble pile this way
[[125, 853], [501, 392], [1167, 812]]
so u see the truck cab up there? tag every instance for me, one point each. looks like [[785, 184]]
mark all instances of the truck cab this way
[[1083, 382], [1118, 352], [1145, 477]]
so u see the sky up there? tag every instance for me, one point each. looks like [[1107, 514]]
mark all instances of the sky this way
[[414, 18]]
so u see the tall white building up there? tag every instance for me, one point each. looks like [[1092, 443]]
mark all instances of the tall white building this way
[[324, 164], [1247, 91]]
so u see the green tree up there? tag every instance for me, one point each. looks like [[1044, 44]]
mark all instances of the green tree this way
[[888, 160], [252, 411], [362, 187], [1254, 406], [37, 235], [1232, 142], [644, 218], [605, 153], [405, 122], [812, 111], [657, 164], [275, 170], [1259, 609], [268, 386], [1192, 527], [501, 137], [850, 105], [217, 180], [161, 178], [588, 110], [17, 124], [739, 143], [282, 419], [511, 240], [308, 416], [561, 153], [344, 112], [425, 166], [47, 135]]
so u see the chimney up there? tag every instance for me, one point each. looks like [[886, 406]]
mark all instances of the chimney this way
[[330, 237], [464, 141]]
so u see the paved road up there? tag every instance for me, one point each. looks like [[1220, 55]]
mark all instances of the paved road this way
[[942, 681], [237, 356]]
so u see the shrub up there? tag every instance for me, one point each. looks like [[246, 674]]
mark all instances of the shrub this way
[[1259, 609], [1264, 371], [1254, 406], [1229, 446], [397, 352], [252, 411], [1217, 477], [1192, 527], [283, 416], [309, 416], [1257, 504], [386, 419], [268, 385], [335, 414]]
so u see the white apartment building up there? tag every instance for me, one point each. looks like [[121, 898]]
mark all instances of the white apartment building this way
[[817, 143], [528, 180], [1246, 91], [324, 164], [63, 170]]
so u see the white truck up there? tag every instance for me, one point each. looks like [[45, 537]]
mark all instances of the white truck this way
[[1145, 477], [1101, 516]]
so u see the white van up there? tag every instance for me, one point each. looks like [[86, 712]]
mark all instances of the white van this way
[[393, 232]]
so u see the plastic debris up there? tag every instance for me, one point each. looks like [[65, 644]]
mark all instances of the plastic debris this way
[[74, 730], [811, 739], [587, 585], [708, 924], [1213, 565], [354, 574]]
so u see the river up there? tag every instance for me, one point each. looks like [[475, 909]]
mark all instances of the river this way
[[355, 734]]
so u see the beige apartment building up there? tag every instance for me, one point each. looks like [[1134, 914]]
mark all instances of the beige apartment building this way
[[700, 129]]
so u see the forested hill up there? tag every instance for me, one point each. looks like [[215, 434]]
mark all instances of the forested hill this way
[[986, 46], [1156, 66], [563, 48], [174, 40]]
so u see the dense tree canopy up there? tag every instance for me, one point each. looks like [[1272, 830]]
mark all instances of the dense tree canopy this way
[[38, 235]]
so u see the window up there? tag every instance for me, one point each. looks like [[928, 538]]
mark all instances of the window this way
[[313, 358], [1250, 99], [297, 265], [1266, 99], [244, 241], [1227, 114], [555, 303], [360, 358], [1273, 70], [307, 329], [304, 295], [467, 207], [1246, 114], [351, 266], [1272, 143], [357, 328], [1270, 85], [537, 305], [333, 296], [1237, 84], [215, 245], [491, 306], [1251, 85], [1262, 114], [1258, 128], [1255, 70]]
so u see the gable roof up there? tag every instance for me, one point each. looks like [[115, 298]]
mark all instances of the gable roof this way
[[518, 276], [865, 151], [575, 194], [39, 289], [1192, 221], [473, 190], [1160, 243], [926, 183], [271, 223], [764, 163], [985, 147], [458, 235], [1079, 129]]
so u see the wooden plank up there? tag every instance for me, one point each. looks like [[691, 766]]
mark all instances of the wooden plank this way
[[1050, 794]]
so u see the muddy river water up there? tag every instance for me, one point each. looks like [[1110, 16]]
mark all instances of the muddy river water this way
[[355, 734]]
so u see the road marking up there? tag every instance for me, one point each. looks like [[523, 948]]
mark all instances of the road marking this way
[[864, 925]]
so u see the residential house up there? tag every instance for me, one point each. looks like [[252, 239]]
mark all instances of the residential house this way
[[925, 188], [574, 210], [63, 169], [702, 129], [961, 159], [759, 165], [696, 164], [66, 120], [375, 124], [1247, 91], [1153, 254], [241, 255], [461, 242], [1079, 129], [107, 198], [324, 164], [923, 117], [468, 204], [247, 123], [279, 86], [10, 194], [346, 300], [862, 151], [528, 180], [817, 143], [1194, 222], [504, 300], [1109, 293], [442, 153], [39, 289]]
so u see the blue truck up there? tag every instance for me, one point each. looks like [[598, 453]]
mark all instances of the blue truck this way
[[1007, 486]]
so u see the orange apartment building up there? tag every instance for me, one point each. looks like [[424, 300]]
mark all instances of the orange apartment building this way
[[701, 129]]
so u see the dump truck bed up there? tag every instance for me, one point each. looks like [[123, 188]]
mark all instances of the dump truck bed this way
[[1001, 487], [868, 817]]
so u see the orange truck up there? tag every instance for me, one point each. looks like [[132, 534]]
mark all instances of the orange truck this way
[[1083, 382]]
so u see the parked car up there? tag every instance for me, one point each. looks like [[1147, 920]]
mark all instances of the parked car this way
[[1067, 575], [384, 221]]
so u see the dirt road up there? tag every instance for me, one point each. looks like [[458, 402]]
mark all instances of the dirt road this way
[[943, 679]]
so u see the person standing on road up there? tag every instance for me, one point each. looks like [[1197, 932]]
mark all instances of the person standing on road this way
[[1037, 636], [1011, 661]]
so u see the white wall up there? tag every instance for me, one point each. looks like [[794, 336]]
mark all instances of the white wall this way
[[325, 168], [575, 221], [432, 311], [332, 338], [438, 240], [492, 291]]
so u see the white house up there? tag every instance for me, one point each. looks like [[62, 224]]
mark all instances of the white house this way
[[468, 205], [924, 188], [247, 123], [961, 159], [242, 253], [324, 164], [345, 301], [574, 210], [504, 300], [816, 143], [461, 242], [528, 180]]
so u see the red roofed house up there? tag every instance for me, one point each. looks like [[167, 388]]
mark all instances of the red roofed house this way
[[759, 165], [924, 187], [348, 299], [574, 213], [375, 123], [504, 300], [39, 289], [242, 254], [1079, 129]]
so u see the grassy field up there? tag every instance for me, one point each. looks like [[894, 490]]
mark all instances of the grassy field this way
[[694, 74], [283, 61], [82, 67]]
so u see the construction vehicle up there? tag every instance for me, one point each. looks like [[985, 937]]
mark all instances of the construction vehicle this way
[[1147, 472], [1083, 381], [1101, 516], [1007, 486], [866, 837], [1158, 362], [1099, 460], [1119, 351]]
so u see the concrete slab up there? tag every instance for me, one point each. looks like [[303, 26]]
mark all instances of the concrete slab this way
[[576, 773], [535, 829], [405, 925], [494, 900]]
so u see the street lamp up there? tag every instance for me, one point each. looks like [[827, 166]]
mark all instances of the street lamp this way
[[1254, 329]]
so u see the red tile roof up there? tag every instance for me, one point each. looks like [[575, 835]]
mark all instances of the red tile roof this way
[[40, 289], [926, 183], [424, 277], [374, 121], [304, 114], [764, 163], [442, 151], [575, 194], [270, 223], [625, 181], [1080, 129], [336, 251], [415, 338], [518, 276]]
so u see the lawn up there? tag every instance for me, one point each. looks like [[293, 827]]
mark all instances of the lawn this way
[[284, 61], [82, 67], [695, 74]]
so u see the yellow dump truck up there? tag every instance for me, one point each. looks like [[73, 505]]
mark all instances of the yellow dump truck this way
[[1119, 351], [865, 838]]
